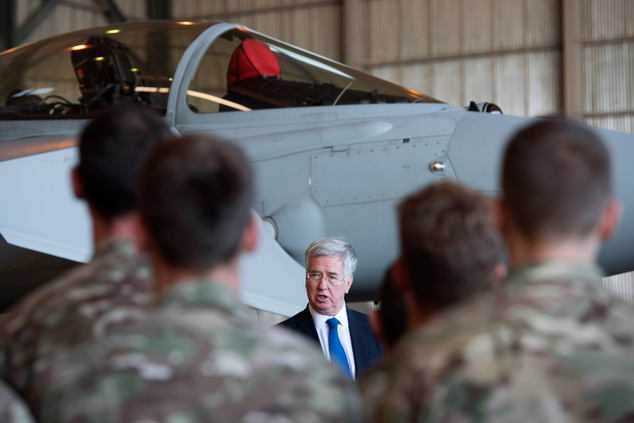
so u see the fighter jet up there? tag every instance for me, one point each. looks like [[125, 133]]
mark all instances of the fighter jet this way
[[334, 149]]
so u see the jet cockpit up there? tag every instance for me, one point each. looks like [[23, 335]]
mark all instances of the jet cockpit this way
[[74, 77]]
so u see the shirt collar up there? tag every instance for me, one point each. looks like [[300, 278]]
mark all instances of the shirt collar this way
[[320, 319]]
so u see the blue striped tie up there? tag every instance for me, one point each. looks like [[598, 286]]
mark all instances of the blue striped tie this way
[[337, 353]]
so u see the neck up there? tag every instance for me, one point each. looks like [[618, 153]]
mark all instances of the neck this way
[[575, 250], [167, 275], [419, 314], [125, 226]]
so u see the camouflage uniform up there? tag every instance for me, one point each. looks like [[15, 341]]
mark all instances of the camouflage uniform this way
[[199, 357], [72, 308], [12, 409], [551, 346]]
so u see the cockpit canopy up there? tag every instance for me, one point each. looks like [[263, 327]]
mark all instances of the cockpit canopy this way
[[77, 74]]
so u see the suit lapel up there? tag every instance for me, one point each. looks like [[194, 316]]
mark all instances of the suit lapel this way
[[357, 339], [306, 325]]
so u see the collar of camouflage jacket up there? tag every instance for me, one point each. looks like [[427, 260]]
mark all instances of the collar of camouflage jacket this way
[[554, 270], [206, 293], [118, 245]]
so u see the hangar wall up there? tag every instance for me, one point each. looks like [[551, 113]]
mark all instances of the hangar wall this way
[[312, 24], [607, 63], [504, 51], [69, 16]]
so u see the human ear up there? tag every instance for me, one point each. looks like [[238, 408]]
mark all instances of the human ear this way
[[78, 187], [498, 209], [250, 235], [610, 219]]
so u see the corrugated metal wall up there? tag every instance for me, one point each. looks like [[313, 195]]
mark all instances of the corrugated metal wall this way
[[607, 33], [72, 16], [509, 52], [504, 51], [312, 24]]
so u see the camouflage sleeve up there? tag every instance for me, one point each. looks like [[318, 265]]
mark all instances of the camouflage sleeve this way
[[372, 387], [68, 310], [12, 408], [580, 386], [390, 397]]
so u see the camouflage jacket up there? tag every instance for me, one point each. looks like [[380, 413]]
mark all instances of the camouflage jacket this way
[[72, 308], [12, 409], [199, 357], [550, 346]]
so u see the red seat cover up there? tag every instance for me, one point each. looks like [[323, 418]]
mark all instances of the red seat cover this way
[[252, 59]]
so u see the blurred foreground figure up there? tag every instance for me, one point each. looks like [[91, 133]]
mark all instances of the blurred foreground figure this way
[[552, 345], [450, 249], [117, 280], [199, 357]]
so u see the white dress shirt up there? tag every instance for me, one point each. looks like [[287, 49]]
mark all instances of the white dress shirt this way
[[343, 330]]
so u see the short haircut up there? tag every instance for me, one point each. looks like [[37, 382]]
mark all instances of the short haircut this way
[[112, 149], [449, 243], [333, 247], [195, 196], [556, 179]]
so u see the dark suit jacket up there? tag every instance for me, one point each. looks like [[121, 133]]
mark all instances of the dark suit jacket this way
[[366, 347]]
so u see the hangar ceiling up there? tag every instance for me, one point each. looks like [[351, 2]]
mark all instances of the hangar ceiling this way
[[532, 57]]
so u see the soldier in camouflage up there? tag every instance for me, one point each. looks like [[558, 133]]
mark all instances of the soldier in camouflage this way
[[550, 345], [117, 281], [450, 249], [199, 356]]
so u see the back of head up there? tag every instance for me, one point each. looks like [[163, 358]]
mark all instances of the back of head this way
[[112, 149], [333, 247], [449, 243], [556, 180], [195, 196]]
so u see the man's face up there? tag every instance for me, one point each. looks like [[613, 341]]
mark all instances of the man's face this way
[[327, 298]]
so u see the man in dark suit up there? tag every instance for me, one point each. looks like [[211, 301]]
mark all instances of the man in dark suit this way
[[345, 335]]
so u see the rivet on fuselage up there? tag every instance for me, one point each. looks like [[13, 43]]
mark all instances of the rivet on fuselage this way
[[437, 166]]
